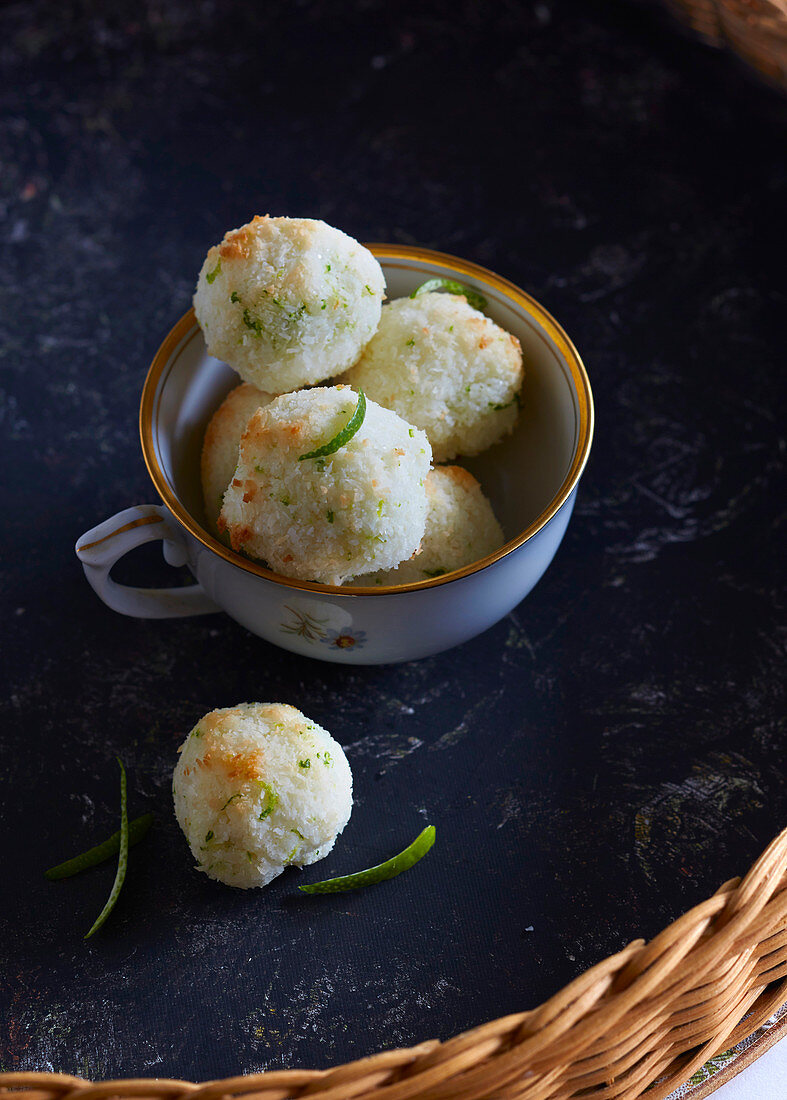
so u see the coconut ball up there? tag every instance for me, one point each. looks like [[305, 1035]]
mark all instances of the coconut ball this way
[[446, 368], [259, 787], [327, 518], [288, 302], [460, 528], [221, 442]]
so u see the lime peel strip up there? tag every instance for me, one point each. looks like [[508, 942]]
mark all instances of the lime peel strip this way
[[379, 873], [120, 874], [474, 299], [345, 435], [137, 829]]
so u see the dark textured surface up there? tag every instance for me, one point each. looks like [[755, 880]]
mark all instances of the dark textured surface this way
[[597, 762]]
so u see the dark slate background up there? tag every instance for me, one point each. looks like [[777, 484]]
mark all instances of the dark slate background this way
[[595, 764]]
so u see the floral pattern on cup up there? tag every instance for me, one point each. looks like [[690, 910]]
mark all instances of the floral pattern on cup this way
[[304, 625], [303, 619], [343, 639]]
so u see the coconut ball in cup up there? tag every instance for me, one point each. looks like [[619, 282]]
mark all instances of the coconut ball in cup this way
[[221, 442], [461, 528], [288, 302], [321, 494], [445, 367], [259, 787]]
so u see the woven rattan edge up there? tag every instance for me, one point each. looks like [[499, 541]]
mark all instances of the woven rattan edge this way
[[760, 1045], [755, 32], [646, 1018]]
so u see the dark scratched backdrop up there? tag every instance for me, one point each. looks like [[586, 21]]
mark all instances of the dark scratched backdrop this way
[[595, 764]]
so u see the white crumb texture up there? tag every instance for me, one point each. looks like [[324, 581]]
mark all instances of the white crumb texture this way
[[221, 443], [257, 788], [359, 509], [461, 528], [446, 368], [288, 302]]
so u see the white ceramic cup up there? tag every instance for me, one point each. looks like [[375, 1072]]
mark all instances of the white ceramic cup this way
[[531, 478]]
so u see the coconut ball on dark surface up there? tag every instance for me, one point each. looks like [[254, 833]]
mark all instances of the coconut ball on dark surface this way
[[259, 787]]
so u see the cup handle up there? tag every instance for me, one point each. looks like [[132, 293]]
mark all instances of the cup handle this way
[[99, 549]]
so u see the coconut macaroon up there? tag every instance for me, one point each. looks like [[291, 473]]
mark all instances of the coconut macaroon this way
[[259, 787], [460, 528], [341, 511], [446, 368], [221, 442], [288, 302]]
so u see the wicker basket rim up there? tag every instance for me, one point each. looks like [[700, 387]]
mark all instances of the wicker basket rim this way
[[646, 1017]]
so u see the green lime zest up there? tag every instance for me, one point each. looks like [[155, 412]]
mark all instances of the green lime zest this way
[[271, 801], [93, 856], [253, 323], [120, 874], [379, 873], [345, 435], [474, 299], [515, 400]]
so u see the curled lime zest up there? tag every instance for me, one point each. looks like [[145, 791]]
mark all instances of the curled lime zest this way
[[474, 299], [379, 873], [137, 829], [345, 435], [120, 874]]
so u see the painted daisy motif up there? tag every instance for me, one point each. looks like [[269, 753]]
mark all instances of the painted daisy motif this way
[[343, 639]]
